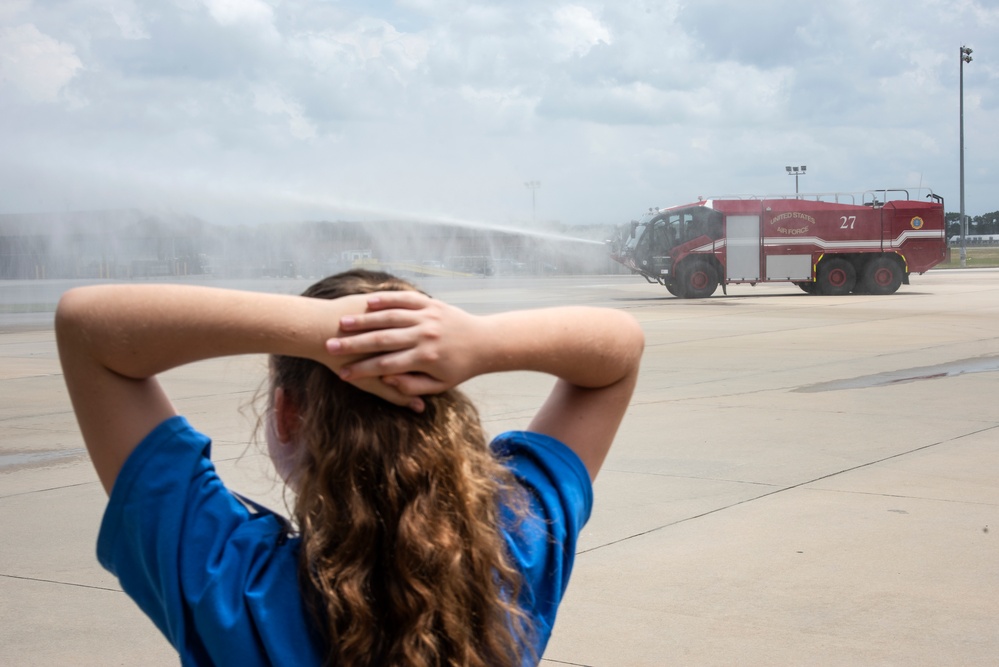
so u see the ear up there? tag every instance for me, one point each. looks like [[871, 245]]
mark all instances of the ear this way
[[285, 416]]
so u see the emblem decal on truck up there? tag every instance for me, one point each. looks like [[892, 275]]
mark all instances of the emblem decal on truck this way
[[793, 223], [916, 222]]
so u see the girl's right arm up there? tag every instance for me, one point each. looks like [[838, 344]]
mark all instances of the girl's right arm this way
[[115, 339], [427, 346]]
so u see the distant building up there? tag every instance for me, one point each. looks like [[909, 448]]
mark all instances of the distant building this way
[[132, 244], [99, 244]]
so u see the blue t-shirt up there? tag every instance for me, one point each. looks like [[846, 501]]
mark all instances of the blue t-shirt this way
[[220, 581]]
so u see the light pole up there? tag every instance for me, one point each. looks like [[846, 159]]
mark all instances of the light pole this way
[[965, 58], [796, 172], [533, 187]]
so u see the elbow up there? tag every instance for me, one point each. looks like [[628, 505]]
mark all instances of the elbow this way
[[67, 314], [638, 336], [633, 338], [75, 309], [68, 325], [624, 341]]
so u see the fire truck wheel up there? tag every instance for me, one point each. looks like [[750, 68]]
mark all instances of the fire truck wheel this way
[[674, 289], [807, 287], [882, 276], [699, 280], [836, 277]]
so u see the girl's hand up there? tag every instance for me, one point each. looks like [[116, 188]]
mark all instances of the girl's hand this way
[[411, 342], [390, 392]]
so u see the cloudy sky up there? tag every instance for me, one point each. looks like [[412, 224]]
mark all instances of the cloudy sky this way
[[264, 110]]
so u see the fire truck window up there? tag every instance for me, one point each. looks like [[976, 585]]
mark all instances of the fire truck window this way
[[673, 230], [693, 226], [644, 234], [661, 241], [704, 221]]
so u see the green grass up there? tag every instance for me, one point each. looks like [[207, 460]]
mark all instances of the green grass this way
[[977, 258]]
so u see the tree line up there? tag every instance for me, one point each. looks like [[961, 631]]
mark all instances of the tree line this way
[[987, 223]]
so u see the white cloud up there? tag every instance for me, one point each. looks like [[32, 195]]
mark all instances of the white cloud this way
[[234, 12], [577, 30], [254, 15], [365, 40], [449, 105], [499, 110], [128, 19], [433, 6], [35, 64], [11, 9], [272, 102]]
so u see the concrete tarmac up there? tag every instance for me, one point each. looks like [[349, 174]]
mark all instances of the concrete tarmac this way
[[800, 480]]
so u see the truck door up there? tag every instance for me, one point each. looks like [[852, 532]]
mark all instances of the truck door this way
[[743, 248], [897, 225], [660, 246]]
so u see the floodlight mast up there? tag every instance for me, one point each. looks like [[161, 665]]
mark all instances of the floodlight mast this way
[[796, 172], [965, 58]]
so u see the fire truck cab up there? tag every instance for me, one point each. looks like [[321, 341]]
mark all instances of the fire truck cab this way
[[829, 244]]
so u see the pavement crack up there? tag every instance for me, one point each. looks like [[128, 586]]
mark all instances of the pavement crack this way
[[49, 488], [783, 489], [906, 497], [62, 583]]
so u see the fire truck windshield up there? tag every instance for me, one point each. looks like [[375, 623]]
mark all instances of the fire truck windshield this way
[[659, 232], [637, 232], [671, 228]]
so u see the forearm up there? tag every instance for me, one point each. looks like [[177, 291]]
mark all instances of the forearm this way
[[138, 331], [424, 347], [595, 353], [586, 347], [114, 340]]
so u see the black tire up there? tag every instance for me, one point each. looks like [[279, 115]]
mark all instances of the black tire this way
[[674, 289], [698, 280], [882, 275], [808, 287], [836, 277]]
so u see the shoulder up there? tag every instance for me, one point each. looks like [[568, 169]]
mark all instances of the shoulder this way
[[546, 465], [160, 467], [212, 571], [541, 534]]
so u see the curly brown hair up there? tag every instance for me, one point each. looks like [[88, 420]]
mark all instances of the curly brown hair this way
[[403, 559]]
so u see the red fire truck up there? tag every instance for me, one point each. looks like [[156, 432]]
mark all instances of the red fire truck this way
[[825, 244]]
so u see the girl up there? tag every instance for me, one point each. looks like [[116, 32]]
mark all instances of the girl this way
[[415, 542]]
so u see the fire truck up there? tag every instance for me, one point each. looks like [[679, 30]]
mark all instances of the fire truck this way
[[830, 244]]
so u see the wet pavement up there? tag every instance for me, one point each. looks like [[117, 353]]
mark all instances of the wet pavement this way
[[800, 479]]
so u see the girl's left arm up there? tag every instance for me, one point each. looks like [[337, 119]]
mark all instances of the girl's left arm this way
[[114, 339]]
